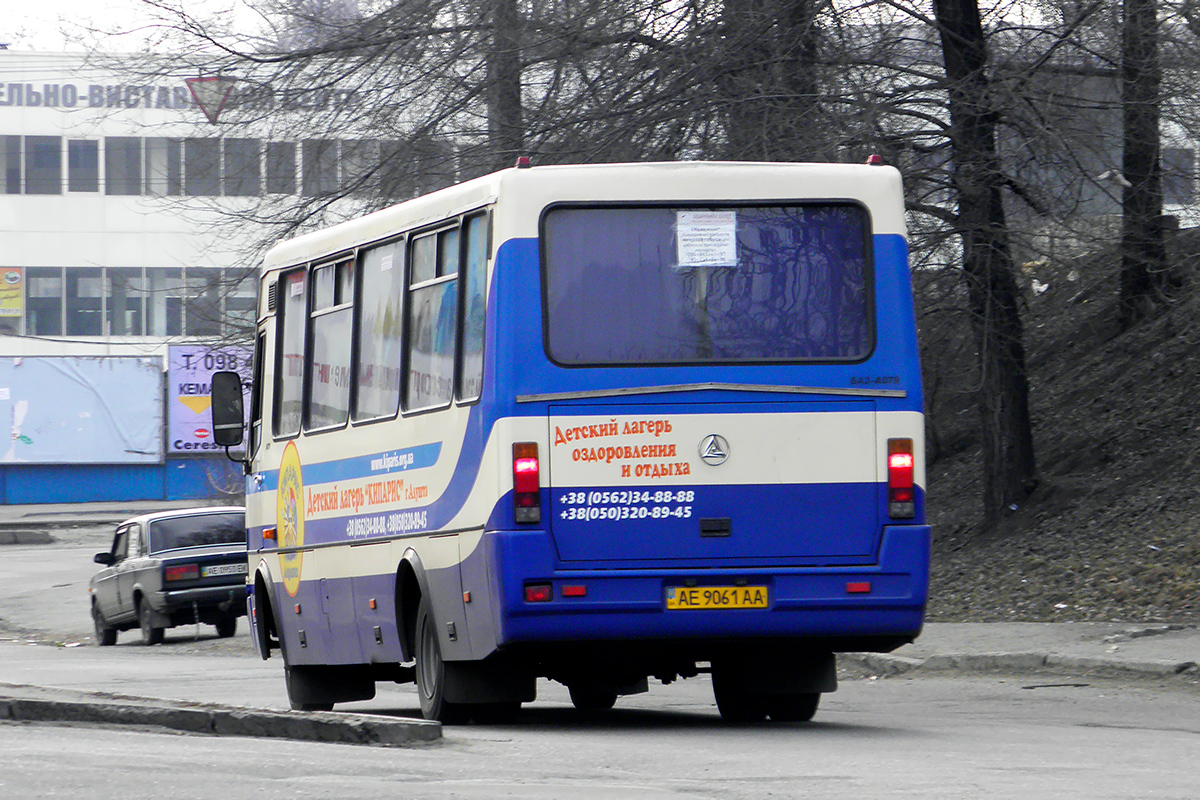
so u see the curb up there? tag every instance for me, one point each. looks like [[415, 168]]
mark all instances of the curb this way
[[886, 665], [25, 537], [314, 726]]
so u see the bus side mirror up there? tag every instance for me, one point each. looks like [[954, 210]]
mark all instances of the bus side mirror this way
[[227, 414]]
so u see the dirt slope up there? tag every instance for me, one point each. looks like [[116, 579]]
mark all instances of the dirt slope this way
[[1113, 530]]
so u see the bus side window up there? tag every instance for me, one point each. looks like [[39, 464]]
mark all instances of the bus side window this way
[[432, 324], [474, 305], [328, 403], [380, 329], [256, 391], [289, 366]]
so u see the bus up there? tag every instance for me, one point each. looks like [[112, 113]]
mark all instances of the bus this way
[[596, 424]]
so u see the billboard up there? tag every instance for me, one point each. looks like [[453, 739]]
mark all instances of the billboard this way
[[12, 292], [75, 410], [189, 393]]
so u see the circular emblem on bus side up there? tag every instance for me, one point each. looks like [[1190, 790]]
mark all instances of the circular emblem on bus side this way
[[714, 449], [289, 517]]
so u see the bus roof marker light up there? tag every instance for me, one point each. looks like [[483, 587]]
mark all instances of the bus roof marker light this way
[[875, 160], [523, 162], [526, 483]]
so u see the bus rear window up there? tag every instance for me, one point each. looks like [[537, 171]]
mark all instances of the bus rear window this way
[[707, 285]]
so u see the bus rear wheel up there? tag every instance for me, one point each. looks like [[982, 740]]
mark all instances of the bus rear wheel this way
[[592, 698], [793, 707], [734, 700], [431, 673]]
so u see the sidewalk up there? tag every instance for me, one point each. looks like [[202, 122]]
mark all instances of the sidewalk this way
[[1147, 649], [37, 524]]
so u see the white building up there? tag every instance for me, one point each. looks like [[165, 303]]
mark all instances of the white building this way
[[112, 244]]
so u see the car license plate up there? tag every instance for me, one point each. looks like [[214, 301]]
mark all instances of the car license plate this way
[[682, 598], [224, 569]]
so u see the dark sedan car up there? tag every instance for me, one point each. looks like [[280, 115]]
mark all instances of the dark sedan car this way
[[172, 568]]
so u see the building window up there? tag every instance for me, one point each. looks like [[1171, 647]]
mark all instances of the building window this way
[[10, 157], [203, 308], [201, 159], [43, 303], [122, 165], [83, 165], [281, 168], [319, 170], [43, 165], [242, 170], [241, 304], [126, 302], [1178, 175], [84, 298], [164, 174], [359, 162], [165, 291]]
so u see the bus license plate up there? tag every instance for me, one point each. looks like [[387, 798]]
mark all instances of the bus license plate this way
[[682, 598]]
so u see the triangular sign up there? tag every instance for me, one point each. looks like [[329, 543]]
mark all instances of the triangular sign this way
[[211, 94], [197, 403]]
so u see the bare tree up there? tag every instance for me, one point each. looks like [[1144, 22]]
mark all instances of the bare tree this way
[[1008, 457], [1144, 269]]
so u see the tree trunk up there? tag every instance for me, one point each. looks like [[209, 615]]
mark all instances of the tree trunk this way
[[1145, 272], [1007, 438], [768, 81], [506, 131]]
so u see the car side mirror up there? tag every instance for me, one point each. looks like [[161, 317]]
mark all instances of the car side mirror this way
[[106, 559]]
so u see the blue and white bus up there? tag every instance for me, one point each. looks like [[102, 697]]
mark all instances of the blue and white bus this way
[[598, 424]]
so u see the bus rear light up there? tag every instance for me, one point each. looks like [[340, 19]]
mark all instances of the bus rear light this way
[[526, 482], [901, 489], [183, 572], [574, 591], [858, 587], [538, 593]]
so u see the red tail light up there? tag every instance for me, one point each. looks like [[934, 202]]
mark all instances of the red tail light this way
[[182, 572], [901, 492], [527, 482]]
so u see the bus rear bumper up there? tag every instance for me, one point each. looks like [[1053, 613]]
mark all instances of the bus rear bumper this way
[[862, 607]]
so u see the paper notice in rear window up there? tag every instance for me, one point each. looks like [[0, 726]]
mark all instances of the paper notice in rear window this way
[[706, 238]]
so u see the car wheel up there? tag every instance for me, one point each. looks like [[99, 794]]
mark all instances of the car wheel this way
[[227, 627], [150, 634], [431, 673], [105, 636]]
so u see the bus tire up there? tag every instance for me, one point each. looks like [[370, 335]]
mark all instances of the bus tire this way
[[431, 672], [734, 700], [793, 707], [592, 698]]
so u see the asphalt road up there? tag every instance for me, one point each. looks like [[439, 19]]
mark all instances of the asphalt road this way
[[934, 735]]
